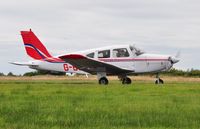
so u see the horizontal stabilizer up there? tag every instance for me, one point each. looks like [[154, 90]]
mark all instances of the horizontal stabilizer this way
[[23, 63]]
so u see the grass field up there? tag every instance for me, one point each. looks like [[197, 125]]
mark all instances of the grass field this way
[[73, 104]]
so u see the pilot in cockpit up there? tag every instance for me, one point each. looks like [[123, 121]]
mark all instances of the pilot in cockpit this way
[[121, 52]]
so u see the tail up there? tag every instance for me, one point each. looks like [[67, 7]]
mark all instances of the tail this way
[[34, 47]]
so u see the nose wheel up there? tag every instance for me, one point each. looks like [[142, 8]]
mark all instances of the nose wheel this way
[[158, 80]]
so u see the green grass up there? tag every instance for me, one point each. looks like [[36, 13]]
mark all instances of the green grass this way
[[77, 104]]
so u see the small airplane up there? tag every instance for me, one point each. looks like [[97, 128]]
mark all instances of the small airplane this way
[[120, 60]]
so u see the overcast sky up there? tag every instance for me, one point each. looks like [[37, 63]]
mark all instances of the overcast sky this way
[[156, 26]]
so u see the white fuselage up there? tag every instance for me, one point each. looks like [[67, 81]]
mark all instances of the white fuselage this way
[[142, 63]]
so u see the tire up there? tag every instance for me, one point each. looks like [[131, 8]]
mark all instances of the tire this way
[[156, 82], [126, 80], [160, 81], [103, 81]]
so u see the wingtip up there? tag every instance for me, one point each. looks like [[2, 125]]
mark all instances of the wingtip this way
[[11, 62]]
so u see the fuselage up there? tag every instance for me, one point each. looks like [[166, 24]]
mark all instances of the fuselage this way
[[142, 64], [131, 59]]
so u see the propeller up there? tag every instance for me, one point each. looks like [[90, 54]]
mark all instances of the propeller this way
[[173, 59], [178, 54]]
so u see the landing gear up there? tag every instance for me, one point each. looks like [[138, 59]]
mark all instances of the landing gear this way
[[158, 80], [102, 78], [103, 81], [125, 79]]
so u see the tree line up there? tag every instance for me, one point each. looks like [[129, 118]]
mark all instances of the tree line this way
[[35, 73], [187, 73], [171, 72]]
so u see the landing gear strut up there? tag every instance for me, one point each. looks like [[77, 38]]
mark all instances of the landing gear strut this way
[[158, 80]]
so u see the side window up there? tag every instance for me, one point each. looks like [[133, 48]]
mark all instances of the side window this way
[[91, 55], [120, 52], [104, 54]]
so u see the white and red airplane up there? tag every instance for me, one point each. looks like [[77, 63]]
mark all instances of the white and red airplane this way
[[120, 60]]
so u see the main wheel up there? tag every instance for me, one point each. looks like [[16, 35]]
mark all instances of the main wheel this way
[[103, 81], [126, 80], [159, 81]]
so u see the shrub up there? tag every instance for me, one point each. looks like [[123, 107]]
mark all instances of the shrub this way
[[2, 74], [10, 74], [41, 72]]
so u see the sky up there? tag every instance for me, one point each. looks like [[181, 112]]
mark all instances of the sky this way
[[156, 26]]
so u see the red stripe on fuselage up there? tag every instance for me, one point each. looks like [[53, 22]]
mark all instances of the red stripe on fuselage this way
[[131, 59]]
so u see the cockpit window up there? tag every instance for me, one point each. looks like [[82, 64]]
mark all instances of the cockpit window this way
[[120, 52], [136, 51], [104, 54], [91, 55]]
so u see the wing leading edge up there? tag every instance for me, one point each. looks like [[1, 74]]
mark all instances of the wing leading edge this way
[[93, 66]]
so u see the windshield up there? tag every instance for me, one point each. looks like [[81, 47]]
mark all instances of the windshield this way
[[136, 51]]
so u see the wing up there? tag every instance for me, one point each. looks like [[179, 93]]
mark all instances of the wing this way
[[93, 66]]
